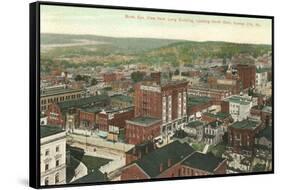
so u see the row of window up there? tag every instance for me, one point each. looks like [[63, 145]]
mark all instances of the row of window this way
[[47, 165], [47, 151], [57, 179]]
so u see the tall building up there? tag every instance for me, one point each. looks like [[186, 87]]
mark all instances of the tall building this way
[[53, 155], [167, 102], [247, 74]]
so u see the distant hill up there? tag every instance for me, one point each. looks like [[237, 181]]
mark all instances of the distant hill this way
[[124, 45]]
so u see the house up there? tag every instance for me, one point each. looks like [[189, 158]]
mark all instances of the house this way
[[213, 133]]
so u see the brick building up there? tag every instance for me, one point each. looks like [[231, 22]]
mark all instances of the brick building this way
[[142, 129], [241, 135], [174, 160], [247, 75], [215, 94], [114, 117], [167, 102]]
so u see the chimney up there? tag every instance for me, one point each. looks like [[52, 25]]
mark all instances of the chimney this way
[[161, 167], [169, 162]]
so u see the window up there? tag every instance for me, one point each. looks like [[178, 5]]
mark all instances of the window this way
[[46, 167], [57, 148], [47, 152], [57, 178], [46, 181], [57, 163]]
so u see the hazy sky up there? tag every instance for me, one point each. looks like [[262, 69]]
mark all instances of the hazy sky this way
[[124, 23]]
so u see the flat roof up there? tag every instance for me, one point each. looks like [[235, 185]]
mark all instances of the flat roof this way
[[57, 91], [194, 123], [144, 121], [122, 98], [239, 100], [219, 115], [244, 124], [197, 100], [48, 130], [206, 162]]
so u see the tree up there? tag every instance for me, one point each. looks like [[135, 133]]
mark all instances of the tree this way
[[137, 76], [94, 81]]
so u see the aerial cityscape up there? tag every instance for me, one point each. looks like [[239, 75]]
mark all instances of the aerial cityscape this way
[[139, 102]]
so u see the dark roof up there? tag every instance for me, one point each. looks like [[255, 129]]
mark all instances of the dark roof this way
[[194, 124], [214, 124], [96, 176], [244, 124], [144, 121], [123, 98], [198, 100], [83, 102], [219, 115], [266, 132], [206, 162], [174, 151], [48, 130]]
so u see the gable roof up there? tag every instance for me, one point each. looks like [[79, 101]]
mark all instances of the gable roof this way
[[174, 151], [205, 162]]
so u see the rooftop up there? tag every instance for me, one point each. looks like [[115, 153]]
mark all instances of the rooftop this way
[[206, 162], [214, 124], [266, 132], [48, 130], [267, 109], [174, 151], [197, 100], [96, 176], [144, 121], [219, 115], [245, 124], [57, 91], [83, 102], [122, 98], [239, 100], [262, 70], [194, 124]]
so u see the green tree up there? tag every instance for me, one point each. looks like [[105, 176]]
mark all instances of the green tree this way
[[94, 81], [137, 76]]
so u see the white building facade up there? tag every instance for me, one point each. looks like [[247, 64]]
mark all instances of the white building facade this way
[[52, 156]]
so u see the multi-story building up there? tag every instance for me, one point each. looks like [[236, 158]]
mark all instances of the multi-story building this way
[[241, 135], [215, 94], [142, 129], [56, 95], [238, 107], [173, 160], [213, 133], [52, 155], [261, 77], [247, 74], [167, 102]]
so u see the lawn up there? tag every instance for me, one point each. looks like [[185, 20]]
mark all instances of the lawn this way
[[217, 150], [198, 146]]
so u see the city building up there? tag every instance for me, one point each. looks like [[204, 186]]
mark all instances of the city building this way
[[241, 135], [261, 77], [56, 95], [263, 144], [247, 75], [52, 155], [213, 133], [142, 129], [197, 105], [215, 94], [168, 102], [173, 160], [115, 116], [120, 101], [238, 106]]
